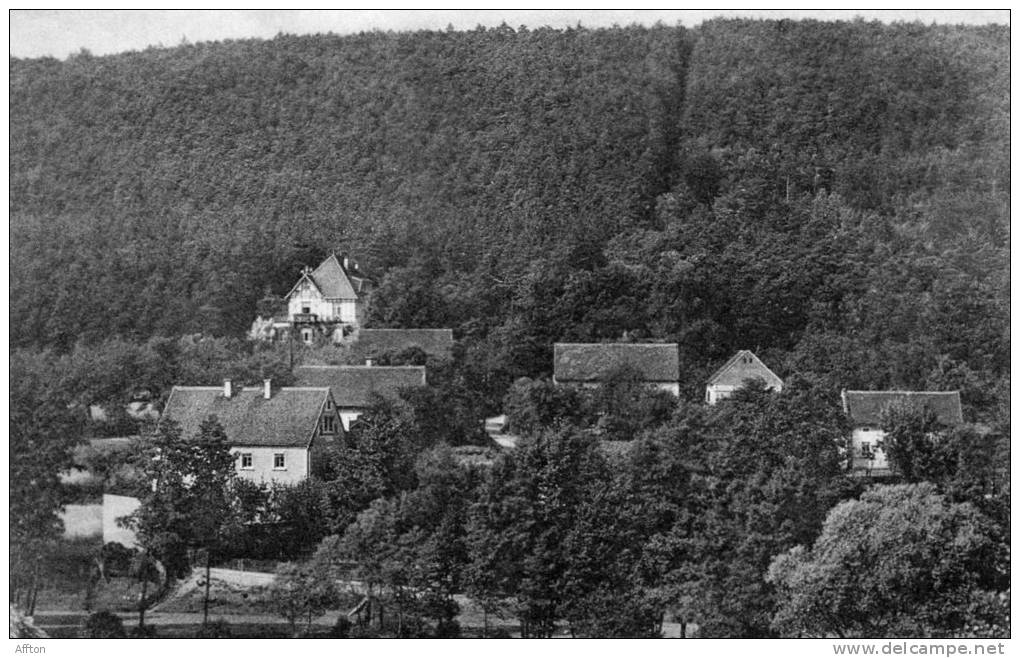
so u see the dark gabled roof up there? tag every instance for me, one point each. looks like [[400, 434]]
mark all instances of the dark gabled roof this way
[[288, 419], [742, 366], [375, 342], [332, 281], [354, 386], [588, 362], [361, 284], [866, 407]]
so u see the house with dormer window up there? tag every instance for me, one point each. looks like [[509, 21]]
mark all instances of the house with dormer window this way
[[276, 434]]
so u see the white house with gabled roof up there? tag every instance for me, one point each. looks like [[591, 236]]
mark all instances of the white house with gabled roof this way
[[741, 367], [276, 434], [865, 410], [331, 299]]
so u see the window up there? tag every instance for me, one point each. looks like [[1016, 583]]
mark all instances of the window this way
[[246, 462], [306, 308], [328, 424], [866, 451], [306, 336], [279, 461], [329, 403]]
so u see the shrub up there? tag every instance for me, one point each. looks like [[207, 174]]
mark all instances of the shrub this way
[[102, 624], [342, 628], [448, 629], [144, 632], [214, 630]]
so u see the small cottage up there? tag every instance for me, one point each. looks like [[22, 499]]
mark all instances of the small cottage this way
[[586, 364], [865, 409], [742, 367]]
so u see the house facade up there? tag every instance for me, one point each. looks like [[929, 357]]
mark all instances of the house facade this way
[[586, 364], [741, 367], [275, 434], [355, 388], [329, 300], [865, 410]]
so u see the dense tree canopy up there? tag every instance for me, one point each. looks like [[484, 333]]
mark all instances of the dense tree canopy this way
[[901, 561]]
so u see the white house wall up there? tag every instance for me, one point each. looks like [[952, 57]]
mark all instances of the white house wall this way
[[114, 508], [672, 387], [263, 458], [348, 416], [308, 296], [871, 436], [718, 392]]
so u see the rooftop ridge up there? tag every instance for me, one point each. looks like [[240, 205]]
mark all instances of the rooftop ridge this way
[[399, 329], [900, 392], [614, 343], [363, 367]]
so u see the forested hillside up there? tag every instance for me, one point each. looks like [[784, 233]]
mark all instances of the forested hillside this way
[[833, 195]]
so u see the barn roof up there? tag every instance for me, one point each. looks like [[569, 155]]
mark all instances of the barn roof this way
[[375, 342], [742, 366], [288, 419], [589, 362], [354, 386], [866, 407]]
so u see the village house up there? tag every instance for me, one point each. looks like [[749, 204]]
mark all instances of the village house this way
[[742, 367], [865, 409], [276, 433], [356, 388], [329, 300], [586, 364]]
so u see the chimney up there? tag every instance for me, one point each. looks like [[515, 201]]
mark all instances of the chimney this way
[[347, 262], [267, 388], [228, 389], [368, 362]]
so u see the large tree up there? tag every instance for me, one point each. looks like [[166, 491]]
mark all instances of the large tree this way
[[901, 561], [519, 526], [43, 431], [189, 505]]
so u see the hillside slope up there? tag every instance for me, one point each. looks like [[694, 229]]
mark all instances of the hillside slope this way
[[836, 193]]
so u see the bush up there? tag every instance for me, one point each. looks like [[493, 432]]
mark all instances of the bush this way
[[342, 628], [214, 630], [143, 632], [365, 632], [102, 624], [448, 629]]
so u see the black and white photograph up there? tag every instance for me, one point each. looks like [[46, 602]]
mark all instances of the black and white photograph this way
[[340, 324]]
